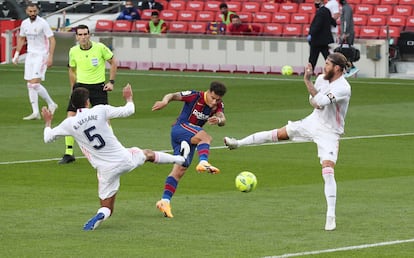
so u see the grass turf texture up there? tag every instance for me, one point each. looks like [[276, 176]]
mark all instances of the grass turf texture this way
[[44, 205]]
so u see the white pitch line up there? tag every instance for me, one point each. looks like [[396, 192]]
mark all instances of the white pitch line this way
[[223, 147], [347, 248]]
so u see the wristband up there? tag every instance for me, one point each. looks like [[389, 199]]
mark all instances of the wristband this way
[[16, 55], [112, 81]]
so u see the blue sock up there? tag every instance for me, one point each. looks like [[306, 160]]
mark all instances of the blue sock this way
[[203, 151], [169, 188]]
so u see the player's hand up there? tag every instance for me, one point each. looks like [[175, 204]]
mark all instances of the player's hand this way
[[47, 116], [108, 87], [159, 105], [127, 92], [308, 72], [15, 59], [214, 120]]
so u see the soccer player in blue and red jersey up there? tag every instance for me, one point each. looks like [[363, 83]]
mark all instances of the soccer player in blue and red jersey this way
[[200, 107]]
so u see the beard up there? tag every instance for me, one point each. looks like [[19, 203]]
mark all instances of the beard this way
[[329, 75]]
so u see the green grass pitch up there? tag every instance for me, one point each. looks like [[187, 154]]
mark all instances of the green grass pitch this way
[[43, 205]]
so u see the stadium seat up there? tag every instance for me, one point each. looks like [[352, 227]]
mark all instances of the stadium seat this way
[[176, 5], [146, 14], [168, 15], [234, 6], [205, 16], [306, 8], [373, 2], [244, 68], [195, 5], [177, 27], [160, 66], [376, 20], [212, 6], [269, 7], [354, 1], [103, 25], [305, 30], [409, 23], [252, 7], [383, 10], [369, 32], [227, 68], [139, 26], [406, 2], [390, 2], [360, 20], [132, 65], [186, 16], [300, 18], [262, 17], [396, 21], [194, 67], [177, 67], [283, 18], [257, 29], [245, 17], [145, 66], [405, 10], [122, 26], [292, 30], [288, 7], [197, 28], [365, 9], [261, 69], [393, 32]]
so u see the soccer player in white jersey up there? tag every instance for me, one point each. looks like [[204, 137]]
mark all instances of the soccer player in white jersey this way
[[40, 49], [330, 97], [106, 154]]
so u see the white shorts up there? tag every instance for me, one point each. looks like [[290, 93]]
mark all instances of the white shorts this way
[[109, 179], [35, 66], [308, 130]]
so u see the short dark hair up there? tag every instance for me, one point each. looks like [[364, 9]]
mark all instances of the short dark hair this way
[[31, 5], [79, 97], [218, 88], [339, 59], [154, 13], [223, 5], [81, 27]]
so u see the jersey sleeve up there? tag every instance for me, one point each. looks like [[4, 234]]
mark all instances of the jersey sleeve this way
[[123, 111], [47, 30], [106, 52], [188, 95], [50, 135]]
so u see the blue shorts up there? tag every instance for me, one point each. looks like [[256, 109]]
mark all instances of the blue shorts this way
[[184, 132]]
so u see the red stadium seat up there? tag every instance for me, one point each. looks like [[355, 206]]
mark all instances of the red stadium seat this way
[[177, 27], [305, 29], [269, 7], [369, 32], [281, 18], [177, 5], [354, 1], [396, 21], [306, 8], [365, 9], [272, 29], [377, 20], [142, 65], [234, 6], [262, 17], [390, 2], [168, 15], [360, 20], [139, 26], [212, 6], [146, 14], [250, 7], [406, 2], [405, 10], [257, 29], [206, 16], [288, 8], [122, 26], [195, 5], [186, 15], [373, 2], [197, 28], [393, 32], [103, 25], [246, 17], [294, 30], [300, 18], [409, 23], [383, 10]]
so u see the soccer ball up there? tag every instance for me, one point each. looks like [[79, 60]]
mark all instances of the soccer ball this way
[[287, 70], [246, 181]]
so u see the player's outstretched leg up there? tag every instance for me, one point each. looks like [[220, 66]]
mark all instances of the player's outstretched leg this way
[[231, 143], [94, 222]]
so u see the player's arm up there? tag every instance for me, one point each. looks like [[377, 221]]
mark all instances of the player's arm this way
[[20, 43], [112, 74], [52, 46], [72, 77], [123, 111], [218, 119], [49, 134], [165, 100]]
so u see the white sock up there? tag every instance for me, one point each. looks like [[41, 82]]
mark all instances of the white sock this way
[[260, 137], [165, 158], [330, 190], [33, 98], [106, 211], [44, 94]]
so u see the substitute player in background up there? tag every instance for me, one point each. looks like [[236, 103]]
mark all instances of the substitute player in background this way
[[87, 69], [106, 154], [40, 49], [330, 97], [199, 108]]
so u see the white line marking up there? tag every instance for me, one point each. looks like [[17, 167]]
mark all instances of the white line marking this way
[[223, 147], [343, 248]]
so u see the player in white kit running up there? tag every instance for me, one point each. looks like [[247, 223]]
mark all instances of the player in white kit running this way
[[40, 49], [106, 154], [330, 97]]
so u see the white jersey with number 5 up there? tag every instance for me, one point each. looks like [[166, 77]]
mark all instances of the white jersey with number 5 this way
[[93, 134]]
